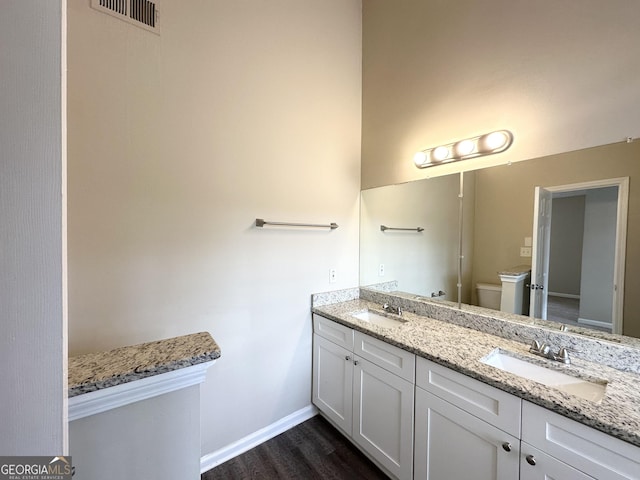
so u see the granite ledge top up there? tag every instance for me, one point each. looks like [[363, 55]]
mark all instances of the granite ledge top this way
[[95, 371], [461, 349], [516, 270]]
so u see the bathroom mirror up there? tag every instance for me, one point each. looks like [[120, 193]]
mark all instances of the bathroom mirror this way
[[409, 233], [498, 220]]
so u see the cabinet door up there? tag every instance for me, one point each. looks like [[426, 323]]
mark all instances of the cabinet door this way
[[453, 444], [383, 417], [333, 382], [536, 465]]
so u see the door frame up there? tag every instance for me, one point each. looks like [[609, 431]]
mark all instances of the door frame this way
[[621, 238], [542, 211]]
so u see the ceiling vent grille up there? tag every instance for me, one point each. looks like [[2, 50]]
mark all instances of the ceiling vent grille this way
[[141, 13]]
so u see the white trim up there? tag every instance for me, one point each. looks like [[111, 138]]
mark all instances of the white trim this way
[[594, 323], [564, 295], [109, 398], [213, 459], [621, 240]]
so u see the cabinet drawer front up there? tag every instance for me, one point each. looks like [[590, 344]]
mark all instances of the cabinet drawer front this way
[[485, 402], [546, 467], [391, 358], [582, 447], [338, 334]]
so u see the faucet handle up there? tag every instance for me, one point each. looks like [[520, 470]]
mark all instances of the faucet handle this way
[[563, 355], [535, 346]]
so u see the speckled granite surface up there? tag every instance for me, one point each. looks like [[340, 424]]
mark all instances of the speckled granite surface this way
[[461, 349], [516, 270], [94, 371], [615, 351]]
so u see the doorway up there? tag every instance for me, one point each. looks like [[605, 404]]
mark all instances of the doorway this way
[[579, 253]]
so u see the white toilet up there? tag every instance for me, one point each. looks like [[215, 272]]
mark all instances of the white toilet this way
[[489, 295]]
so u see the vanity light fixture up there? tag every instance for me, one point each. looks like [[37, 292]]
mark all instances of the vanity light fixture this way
[[487, 144]]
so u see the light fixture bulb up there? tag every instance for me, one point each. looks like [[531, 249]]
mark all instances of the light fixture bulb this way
[[419, 158], [440, 153], [464, 147], [496, 140], [481, 145]]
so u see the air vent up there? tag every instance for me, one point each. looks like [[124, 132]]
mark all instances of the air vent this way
[[141, 13]]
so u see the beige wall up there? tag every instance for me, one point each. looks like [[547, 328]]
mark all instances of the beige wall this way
[[504, 210], [177, 143], [561, 75]]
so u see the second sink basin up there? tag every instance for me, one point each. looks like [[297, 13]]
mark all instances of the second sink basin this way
[[379, 318], [592, 390]]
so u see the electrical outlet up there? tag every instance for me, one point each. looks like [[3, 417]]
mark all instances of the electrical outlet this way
[[381, 270], [333, 275], [525, 251]]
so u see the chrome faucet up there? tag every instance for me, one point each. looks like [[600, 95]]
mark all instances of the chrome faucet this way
[[544, 350], [388, 308]]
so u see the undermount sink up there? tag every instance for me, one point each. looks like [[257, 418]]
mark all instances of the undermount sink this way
[[592, 390], [379, 318]]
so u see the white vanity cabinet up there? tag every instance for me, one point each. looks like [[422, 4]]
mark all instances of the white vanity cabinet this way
[[467, 429], [463, 428], [366, 388]]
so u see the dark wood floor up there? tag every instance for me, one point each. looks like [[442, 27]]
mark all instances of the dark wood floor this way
[[312, 450]]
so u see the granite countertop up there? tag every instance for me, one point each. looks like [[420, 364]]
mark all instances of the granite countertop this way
[[461, 349], [95, 371], [517, 270]]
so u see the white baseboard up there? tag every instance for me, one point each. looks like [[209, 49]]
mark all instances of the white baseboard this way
[[210, 460], [563, 295], [594, 323]]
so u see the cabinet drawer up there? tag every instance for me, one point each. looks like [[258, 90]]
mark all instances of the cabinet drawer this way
[[582, 447], [485, 402], [545, 467], [337, 333], [391, 358]]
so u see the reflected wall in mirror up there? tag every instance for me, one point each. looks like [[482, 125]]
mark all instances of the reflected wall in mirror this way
[[499, 205], [423, 263], [503, 219]]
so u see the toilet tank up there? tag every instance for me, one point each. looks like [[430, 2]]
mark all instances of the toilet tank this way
[[489, 295]]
